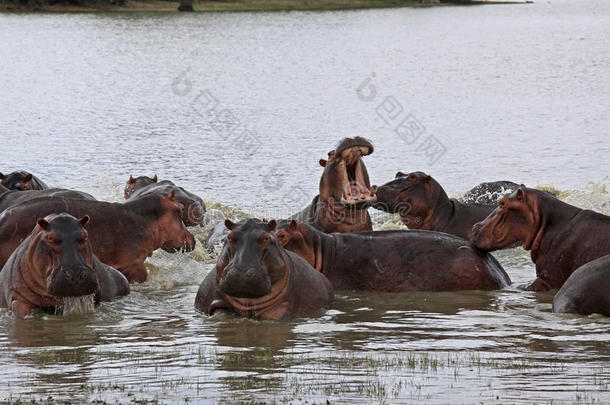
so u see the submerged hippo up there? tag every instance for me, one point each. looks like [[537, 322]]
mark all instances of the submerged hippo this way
[[394, 261], [11, 198], [22, 180], [345, 191], [561, 237], [489, 193], [56, 261], [423, 204], [587, 290], [255, 277], [122, 235], [194, 208]]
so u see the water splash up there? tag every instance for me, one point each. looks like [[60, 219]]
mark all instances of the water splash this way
[[76, 305]]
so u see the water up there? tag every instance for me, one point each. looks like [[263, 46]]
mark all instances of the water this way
[[510, 92]]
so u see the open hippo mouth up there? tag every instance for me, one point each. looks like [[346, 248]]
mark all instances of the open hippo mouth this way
[[355, 191]]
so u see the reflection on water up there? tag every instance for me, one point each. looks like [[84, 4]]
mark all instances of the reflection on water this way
[[519, 93]]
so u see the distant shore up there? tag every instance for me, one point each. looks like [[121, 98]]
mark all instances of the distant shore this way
[[231, 5]]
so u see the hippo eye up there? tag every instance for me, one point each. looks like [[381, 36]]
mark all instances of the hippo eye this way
[[265, 239], [52, 239]]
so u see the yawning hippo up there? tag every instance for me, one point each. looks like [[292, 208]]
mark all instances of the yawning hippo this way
[[22, 180], [255, 277], [345, 190], [194, 208], [55, 262], [12, 198], [122, 235], [422, 203], [561, 237], [394, 261]]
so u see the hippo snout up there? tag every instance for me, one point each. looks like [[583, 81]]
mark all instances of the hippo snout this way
[[250, 282], [71, 281]]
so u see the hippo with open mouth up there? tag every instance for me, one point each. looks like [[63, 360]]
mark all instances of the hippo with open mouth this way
[[345, 190]]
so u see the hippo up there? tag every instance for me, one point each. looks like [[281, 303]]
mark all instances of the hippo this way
[[345, 190], [194, 208], [561, 237], [54, 262], [10, 198], [585, 292], [255, 277], [422, 204], [22, 180], [394, 261], [122, 235]]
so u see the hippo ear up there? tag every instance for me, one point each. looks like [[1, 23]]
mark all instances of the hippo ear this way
[[131, 180], [271, 225], [426, 179], [521, 194], [28, 177], [154, 179], [323, 162], [171, 196], [84, 220], [399, 174], [229, 224], [43, 223], [293, 224]]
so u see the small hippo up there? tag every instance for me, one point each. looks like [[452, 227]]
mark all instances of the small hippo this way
[[56, 261], [587, 290], [194, 208], [255, 277], [345, 190], [22, 180], [562, 237], [122, 235], [394, 261]]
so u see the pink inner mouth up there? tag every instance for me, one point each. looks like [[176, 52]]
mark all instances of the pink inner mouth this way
[[354, 188]]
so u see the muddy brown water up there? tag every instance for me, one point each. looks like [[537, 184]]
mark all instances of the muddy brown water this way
[[510, 92]]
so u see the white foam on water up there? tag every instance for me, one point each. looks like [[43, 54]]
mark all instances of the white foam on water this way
[[76, 305]]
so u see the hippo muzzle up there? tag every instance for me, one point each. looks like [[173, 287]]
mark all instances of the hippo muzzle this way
[[72, 281], [250, 282]]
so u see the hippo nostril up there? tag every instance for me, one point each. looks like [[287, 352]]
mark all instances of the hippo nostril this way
[[250, 273]]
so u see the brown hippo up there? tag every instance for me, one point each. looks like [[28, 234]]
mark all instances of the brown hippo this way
[[122, 235], [194, 208], [345, 190], [561, 237], [11, 198], [394, 261], [422, 204], [54, 262], [587, 290], [255, 277], [22, 180]]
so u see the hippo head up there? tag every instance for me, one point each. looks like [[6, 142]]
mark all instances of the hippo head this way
[[173, 234], [298, 239], [414, 196], [345, 179], [62, 252], [252, 261], [18, 181], [515, 220], [137, 183], [194, 208]]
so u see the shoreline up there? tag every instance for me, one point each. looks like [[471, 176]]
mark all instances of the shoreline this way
[[237, 6]]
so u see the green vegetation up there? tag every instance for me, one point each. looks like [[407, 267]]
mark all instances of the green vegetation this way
[[218, 5]]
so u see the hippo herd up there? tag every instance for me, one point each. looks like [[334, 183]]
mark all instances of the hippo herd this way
[[56, 244]]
